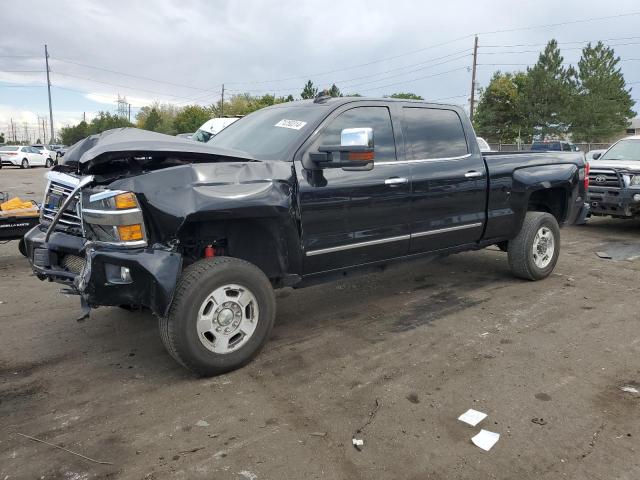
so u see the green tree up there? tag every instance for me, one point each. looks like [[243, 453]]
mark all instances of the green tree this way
[[603, 106], [153, 120], [334, 91], [191, 117], [309, 91], [406, 96], [547, 93], [71, 135], [1, 137], [498, 116], [167, 113]]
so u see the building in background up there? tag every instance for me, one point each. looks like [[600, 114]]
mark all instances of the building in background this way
[[634, 127]]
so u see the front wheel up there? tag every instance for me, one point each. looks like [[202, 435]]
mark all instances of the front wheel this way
[[25, 163], [534, 252], [220, 317], [48, 163]]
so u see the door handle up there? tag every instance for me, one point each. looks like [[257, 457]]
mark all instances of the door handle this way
[[396, 181], [473, 174]]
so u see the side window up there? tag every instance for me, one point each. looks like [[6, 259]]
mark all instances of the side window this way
[[566, 147], [377, 118], [433, 133]]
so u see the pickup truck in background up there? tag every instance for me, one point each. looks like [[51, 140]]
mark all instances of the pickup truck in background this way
[[614, 183], [290, 195]]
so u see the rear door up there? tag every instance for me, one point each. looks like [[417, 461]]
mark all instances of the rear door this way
[[449, 184], [35, 158], [354, 217]]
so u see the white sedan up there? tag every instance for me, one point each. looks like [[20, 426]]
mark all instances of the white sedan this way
[[23, 157]]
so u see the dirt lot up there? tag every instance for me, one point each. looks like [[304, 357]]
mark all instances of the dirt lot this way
[[424, 342]]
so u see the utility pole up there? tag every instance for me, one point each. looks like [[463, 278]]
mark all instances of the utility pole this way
[[13, 131], [84, 116], [222, 103], [473, 78], [129, 113], [46, 61]]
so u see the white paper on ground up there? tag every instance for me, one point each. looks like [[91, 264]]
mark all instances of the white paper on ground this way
[[485, 439], [357, 442], [472, 417]]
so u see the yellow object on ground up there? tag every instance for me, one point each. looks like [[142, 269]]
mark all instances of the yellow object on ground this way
[[16, 207]]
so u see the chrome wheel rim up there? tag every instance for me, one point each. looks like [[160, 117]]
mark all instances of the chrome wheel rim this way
[[227, 318], [544, 246]]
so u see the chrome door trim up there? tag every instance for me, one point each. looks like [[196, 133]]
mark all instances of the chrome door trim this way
[[340, 248], [396, 180], [446, 230], [368, 243]]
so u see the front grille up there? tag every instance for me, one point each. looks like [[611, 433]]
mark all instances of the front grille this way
[[73, 263], [56, 195], [604, 179]]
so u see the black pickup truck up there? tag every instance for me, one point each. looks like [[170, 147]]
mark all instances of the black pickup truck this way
[[290, 195]]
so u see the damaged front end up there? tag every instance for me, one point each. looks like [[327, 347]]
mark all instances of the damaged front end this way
[[94, 240]]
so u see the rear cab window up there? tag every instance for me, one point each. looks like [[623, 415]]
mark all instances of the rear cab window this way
[[433, 133]]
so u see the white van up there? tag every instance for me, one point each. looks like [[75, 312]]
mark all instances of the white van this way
[[211, 128]]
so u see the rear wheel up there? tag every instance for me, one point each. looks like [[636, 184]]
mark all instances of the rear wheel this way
[[221, 315], [25, 163], [534, 252], [48, 163]]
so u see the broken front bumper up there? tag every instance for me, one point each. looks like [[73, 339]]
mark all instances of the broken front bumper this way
[[89, 270], [614, 202]]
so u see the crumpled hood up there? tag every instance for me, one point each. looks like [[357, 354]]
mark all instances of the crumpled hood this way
[[120, 142], [631, 165]]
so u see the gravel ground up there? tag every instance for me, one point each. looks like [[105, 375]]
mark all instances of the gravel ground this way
[[392, 358]]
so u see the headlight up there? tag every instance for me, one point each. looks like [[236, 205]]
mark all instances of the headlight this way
[[635, 180], [113, 217]]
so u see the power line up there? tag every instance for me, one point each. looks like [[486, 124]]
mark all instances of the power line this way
[[559, 43]]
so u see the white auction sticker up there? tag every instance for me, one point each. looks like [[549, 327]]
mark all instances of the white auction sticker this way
[[293, 124]]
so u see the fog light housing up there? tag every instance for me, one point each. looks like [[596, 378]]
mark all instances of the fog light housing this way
[[117, 274]]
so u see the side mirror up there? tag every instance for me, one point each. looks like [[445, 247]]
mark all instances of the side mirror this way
[[355, 152], [596, 156]]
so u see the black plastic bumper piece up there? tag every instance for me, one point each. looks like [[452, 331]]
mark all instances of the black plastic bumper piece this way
[[154, 272], [614, 202]]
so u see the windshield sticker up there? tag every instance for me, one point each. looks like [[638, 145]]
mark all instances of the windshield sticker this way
[[293, 124]]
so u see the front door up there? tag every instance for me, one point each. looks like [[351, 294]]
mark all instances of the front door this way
[[448, 177], [355, 217]]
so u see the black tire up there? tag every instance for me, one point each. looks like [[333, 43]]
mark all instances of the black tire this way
[[521, 259], [178, 329], [24, 164], [48, 163], [503, 246]]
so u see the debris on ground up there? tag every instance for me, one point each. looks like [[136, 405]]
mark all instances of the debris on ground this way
[[318, 434], [357, 443], [202, 423], [64, 449], [485, 439], [539, 421], [604, 255], [630, 389], [472, 417]]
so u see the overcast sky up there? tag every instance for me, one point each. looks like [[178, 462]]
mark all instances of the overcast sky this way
[[182, 51]]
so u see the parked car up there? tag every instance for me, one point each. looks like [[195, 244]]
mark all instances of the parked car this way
[[59, 149], [290, 195], [484, 146], [590, 154], [188, 136], [554, 146], [23, 157], [614, 180], [47, 151], [211, 128]]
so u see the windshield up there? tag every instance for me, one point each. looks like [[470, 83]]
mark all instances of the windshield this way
[[8, 149], [202, 136], [269, 133], [623, 150]]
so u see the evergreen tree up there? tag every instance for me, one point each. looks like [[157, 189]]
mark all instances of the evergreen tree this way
[[309, 91], [334, 91], [602, 106], [548, 92], [152, 122], [406, 96]]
